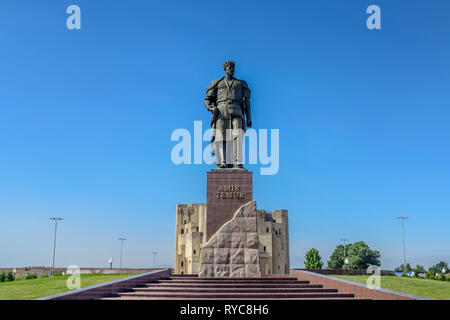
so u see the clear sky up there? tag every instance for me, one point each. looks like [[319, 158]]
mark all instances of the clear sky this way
[[86, 118]]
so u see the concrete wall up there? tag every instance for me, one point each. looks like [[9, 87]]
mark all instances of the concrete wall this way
[[40, 271], [346, 272]]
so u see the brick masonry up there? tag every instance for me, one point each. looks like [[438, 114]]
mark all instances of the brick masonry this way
[[221, 207], [344, 286]]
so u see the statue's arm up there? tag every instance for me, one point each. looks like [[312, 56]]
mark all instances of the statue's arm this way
[[211, 96], [209, 105], [248, 113]]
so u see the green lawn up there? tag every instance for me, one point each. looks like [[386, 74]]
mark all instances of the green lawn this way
[[38, 288], [432, 289]]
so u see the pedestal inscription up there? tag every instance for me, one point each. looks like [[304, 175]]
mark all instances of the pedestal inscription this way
[[226, 191]]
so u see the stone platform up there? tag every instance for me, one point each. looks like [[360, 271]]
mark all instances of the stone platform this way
[[226, 191], [194, 288], [233, 251]]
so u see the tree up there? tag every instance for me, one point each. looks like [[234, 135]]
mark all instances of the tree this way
[[402, 268], [437, 268], [359, 254], [337, 258], [419, 269], [313, 259]]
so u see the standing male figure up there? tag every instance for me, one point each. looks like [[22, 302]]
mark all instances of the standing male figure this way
[[228, 100]]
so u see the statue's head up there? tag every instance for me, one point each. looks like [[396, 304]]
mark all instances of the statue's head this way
[[228, 66]]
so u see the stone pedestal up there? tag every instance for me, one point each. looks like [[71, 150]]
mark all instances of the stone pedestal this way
[[233, 251], [226, 191]]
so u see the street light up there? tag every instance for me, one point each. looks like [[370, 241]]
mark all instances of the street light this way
[[345, 256], [56, 219], [403, 218], [154, 258], [121, 250]]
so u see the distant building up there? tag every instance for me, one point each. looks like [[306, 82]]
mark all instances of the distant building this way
[[273, 234], [190, 235]]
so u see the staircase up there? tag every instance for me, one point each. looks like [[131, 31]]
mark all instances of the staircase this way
[[183, 287]]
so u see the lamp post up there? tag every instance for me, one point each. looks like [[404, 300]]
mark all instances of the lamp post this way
[[56, 219], [154, 258], [121, 250], [345, 256], [403, 218]]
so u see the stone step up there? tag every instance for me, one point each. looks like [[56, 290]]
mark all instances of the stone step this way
[[191, 287], [234, 298], [181, 286], [234, 281], [233, 295], [256, 279], [234, 290]]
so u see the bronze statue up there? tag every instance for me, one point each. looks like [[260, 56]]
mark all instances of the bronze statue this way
[[228, 100]]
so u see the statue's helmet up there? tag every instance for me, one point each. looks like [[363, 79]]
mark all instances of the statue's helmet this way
[[228, 63]]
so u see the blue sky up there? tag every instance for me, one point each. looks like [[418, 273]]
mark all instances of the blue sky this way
[[86, 117]]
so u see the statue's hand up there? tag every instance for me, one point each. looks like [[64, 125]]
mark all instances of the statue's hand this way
[[249, 123]]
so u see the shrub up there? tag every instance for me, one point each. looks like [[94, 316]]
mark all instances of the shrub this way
[[44, 275], [442, 277], [57, 274], [9, 276], [2, 277], [31, 276]]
